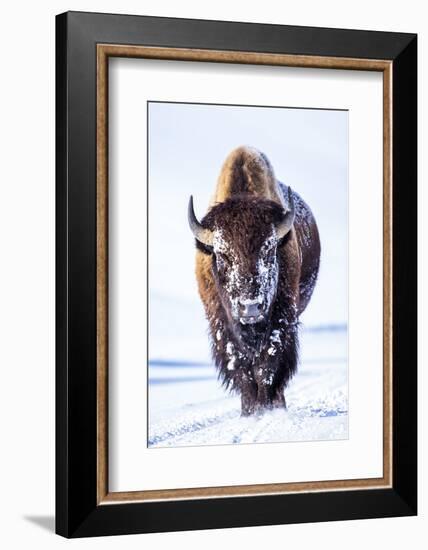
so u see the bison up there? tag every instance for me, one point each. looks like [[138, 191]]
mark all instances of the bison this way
[[257, 262]]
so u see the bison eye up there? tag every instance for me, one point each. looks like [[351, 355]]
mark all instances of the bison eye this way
[[222, 260]]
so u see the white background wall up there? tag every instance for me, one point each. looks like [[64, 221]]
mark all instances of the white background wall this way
[[27, 272]]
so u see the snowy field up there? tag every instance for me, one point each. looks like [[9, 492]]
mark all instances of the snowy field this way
[[188, 406]]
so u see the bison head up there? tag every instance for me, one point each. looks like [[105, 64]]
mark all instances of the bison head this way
[[243, 234]]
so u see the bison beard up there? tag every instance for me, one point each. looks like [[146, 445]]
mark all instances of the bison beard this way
[[254, 365], [257, 264]]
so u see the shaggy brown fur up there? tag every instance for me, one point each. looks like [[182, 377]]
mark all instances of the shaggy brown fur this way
[[256, 360], [247, 170]]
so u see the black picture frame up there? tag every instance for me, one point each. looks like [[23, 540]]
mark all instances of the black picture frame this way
[[77, 512]]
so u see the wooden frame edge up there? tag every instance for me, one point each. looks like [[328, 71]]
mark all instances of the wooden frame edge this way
[[104, 51], [241, 57], [387, 275], [102, 275]]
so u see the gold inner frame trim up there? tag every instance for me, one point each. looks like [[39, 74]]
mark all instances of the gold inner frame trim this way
[[104, 51]]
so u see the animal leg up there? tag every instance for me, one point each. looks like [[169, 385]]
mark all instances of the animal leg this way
[[278, 401], [248, 398], [265, 395], [264, 398]]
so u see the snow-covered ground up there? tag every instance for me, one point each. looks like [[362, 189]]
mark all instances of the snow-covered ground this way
[[188, 406]]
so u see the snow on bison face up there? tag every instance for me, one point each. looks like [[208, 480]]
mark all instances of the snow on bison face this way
[[242, 235], [247, 285]]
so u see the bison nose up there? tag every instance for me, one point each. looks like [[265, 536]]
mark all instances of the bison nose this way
[[250, 308]]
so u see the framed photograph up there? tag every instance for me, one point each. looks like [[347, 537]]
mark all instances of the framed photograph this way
[[236, 274]]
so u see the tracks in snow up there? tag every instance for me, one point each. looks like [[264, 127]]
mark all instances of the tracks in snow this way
[[223, 424]]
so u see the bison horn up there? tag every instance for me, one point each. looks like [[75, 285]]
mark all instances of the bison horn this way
[[284, 226], [203, 235]]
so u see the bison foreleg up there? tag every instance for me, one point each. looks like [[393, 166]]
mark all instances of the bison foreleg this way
[[248, 396], [264, 376], [270, 394], [278, 401]]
